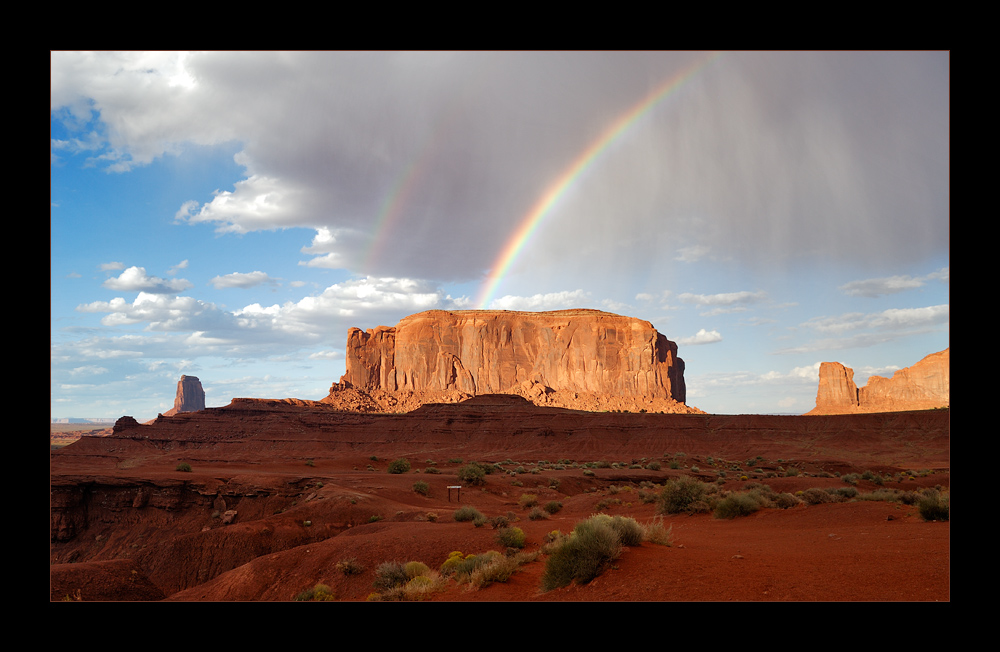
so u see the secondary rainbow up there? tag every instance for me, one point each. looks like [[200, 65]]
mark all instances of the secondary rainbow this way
[[392, 207], [529, 223]]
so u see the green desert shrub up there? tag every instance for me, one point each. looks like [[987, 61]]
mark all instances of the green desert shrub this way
[[472, 474], [462, 567], [737, 504], [816, 496], [677, 495], [184, 467], [847, 492], [415, 569], [630, 533], [934, 505], [583, 555], [553, 506], [421, 487], [528, 500], [467, 513], [399, 466], [786, 500], [319, 593], [537, 514], [452, 563], [511, 537]]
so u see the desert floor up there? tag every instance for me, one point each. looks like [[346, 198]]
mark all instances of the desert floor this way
[[307, 491]]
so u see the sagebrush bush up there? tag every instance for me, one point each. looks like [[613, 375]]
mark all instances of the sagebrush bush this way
[[511, 537], [677, 495], [184, 467], [786, 500], [462, 567], [553, 506], [816, 496], [399, 466], [581, 556], [472, 474], [528, 500], [390, 574], [537, 514], [496, 568], [415, 569], [934, 506], [421, 487], [630, 533], [467, 513], [319, 593], [737, 504], [349, 566]]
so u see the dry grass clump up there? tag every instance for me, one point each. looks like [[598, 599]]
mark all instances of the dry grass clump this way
[[482, 570], [654, 532]]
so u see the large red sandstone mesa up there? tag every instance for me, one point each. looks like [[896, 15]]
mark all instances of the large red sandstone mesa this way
[[923, 386], [549, 357], [190, 396]]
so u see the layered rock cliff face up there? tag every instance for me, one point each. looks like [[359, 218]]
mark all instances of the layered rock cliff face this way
[[923, 386], [190, 396], [551, 358]]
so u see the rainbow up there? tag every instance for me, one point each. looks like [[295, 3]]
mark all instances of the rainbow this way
[[529, 223], [392, 207]]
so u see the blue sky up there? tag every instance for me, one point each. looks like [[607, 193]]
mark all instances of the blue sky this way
[[230, 215]]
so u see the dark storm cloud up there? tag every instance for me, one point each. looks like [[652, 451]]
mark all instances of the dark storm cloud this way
[[423, 164]]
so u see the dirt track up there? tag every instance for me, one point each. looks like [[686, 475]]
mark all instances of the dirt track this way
[[307, 494]]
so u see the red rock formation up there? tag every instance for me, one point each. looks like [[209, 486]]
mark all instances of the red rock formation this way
[[836, 387], [923, 386], [190, 396], [551, 358]]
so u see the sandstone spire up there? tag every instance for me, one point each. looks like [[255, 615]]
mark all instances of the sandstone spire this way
[[190, 396]]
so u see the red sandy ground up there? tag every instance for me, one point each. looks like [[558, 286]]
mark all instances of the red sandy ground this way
[[174, 546]]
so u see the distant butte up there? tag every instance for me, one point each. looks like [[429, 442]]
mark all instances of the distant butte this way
[[190, 396], [924, 386], [578, 359]]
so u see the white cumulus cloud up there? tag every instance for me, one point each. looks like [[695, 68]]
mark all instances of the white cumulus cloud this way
[[701, 337], [135, 279]]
